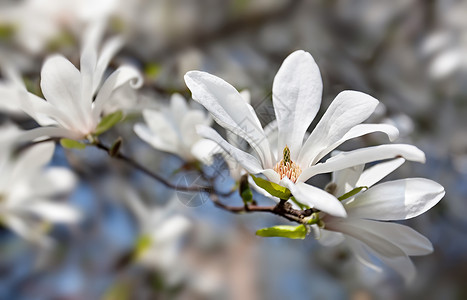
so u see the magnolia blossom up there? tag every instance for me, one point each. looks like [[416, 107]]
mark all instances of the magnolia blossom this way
[[70, 111], [394, 200], [297, 92], [27, 189], [173, 129], [160, 230], [35, 23]]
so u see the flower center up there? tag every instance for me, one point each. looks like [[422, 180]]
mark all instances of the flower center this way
[[286, 167]]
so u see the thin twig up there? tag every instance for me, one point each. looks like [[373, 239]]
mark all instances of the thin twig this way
[[148, 172]]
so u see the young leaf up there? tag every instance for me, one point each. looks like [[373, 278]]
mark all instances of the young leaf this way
[[108, 122], [72, 144], [272, 188], [287, 231], [142, 244], [244, 189], [353, 192]]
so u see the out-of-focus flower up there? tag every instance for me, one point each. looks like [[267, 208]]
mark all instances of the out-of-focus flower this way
[[160, 231], [173, 129], [27, 190], [394, 200], [297, 92], [35, 24], [70, 111]]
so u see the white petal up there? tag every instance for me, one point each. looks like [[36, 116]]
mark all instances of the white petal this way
[[330, 238], [360, 130], [109, 50], [374, 174], [188, 126], [204, 149], [54, 212], [397, 200], [171, 229], [296, 96], [246, 96], [178, 107], [248, 161], [121, 76], [229, 110], [156, 141], [31, 160], [377, 238], [362, 156], [346, 179], [401, 264], [61, 86], [44, 132], [348, 109], [54, 181], [315, 198]]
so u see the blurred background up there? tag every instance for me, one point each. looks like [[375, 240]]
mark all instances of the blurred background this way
[[409, 54]]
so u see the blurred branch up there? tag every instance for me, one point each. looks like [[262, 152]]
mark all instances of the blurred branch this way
[[230, 28], [118, 155]]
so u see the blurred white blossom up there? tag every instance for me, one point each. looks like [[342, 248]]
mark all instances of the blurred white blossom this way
[[28, 189], [70, 111], [173, 129]]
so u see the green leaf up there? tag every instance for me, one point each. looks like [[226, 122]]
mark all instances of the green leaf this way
[[72, 144], [108, 122], [272, 188], [287, 231], [353, 192], [152, 70], [142, 244]]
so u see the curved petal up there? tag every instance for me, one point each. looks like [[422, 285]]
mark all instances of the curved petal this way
[[109, 50], [188, 126], [401, 264], [360, 130], [61, 86], [121, 76], [346, 179], [204, 149], [368, 232], [155, 140], [397, 200], [248, 161], [330, 238], [296, 96], [43, 132], [362, 156], [315, 198], [31, 160], [374, 174], [348, 109], [54, 181], [54, 212], [178, 107], [229, 109]]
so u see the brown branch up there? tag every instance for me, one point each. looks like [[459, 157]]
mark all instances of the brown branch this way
[[283, 209], [138, 166]]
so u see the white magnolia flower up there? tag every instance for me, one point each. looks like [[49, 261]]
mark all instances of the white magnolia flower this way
[[160, 230], [173, 129], [393, 200], [70, 111], [27, 189], [37, 22], [297, 92]]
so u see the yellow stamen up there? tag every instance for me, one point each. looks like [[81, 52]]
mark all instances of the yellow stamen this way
[[286, 167]]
